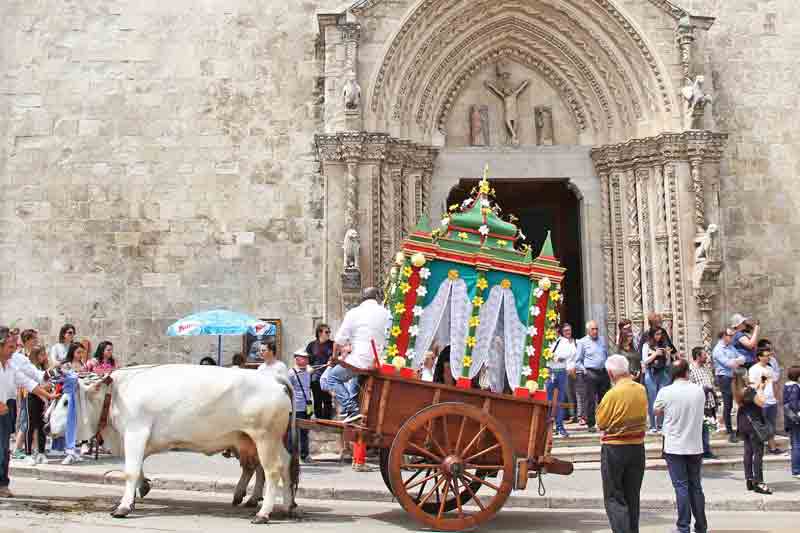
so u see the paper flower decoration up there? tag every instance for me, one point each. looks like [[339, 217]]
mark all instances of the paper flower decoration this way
[[396, 331], [453, 274], [531, 385], [399, 308], [484, 230], [547, 354], [422, 291], [527, 371], [485, 211], [404, 287], [410, 354], [485, 187], [399, 362], [530, 351], [544, 373], [392, 350], [486, 203], [463, 236], [417, 310], [424, 273], [501, 243], [535, 311], [471, 341], [477, 301], [400, 258], [506, 283], [545, 284], [552, 315], [453, 207], [482, 284], [537, 293], [474, 322], [445, 221], [532, 331], [413, 331], [418, 259], [550, 335], [407, 271], [467, 360], [555, 296]]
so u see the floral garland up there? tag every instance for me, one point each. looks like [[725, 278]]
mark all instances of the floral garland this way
[[410, 288], [474, 320], [542, 329], [550, 334]]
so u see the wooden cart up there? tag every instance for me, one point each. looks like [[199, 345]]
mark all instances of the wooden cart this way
[[451, 456]]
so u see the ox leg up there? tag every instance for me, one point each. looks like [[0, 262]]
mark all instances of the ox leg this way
[[288, 472], [267, 455], [135, 443], [241, 486], [258, 488]]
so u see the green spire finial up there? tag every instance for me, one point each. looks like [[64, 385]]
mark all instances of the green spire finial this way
[[547, 248]]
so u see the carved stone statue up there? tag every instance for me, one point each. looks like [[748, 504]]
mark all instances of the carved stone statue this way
[[696, 100], [352, 94], [479, 125], [544, 126], [351, 249], [509, 96], [704, 253]]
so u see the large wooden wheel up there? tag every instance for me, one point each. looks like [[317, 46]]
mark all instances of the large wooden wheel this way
[[453, 447]]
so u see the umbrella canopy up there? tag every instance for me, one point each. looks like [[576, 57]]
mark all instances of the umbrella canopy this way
[[220, 322]]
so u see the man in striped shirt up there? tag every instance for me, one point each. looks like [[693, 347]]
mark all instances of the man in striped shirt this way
[[622, 416]]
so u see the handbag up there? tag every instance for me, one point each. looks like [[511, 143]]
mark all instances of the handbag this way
[[763, 431]]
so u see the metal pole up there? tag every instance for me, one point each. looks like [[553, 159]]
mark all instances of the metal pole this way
[[219, 350]]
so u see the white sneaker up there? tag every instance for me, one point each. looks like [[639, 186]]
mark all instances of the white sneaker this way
[[30, 460], [353, 418], [85, 449], [41, 459], [69, 459]]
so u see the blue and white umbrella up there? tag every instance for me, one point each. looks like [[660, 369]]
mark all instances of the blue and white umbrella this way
[[220, 322]]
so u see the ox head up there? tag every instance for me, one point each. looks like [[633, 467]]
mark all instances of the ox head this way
[[89, 397]]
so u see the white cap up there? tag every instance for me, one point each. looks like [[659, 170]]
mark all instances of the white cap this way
[[737, 319]]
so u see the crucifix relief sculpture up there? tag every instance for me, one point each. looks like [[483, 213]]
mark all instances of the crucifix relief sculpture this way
[[508, 95]]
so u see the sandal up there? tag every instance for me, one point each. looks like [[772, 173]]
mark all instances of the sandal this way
[[761, 488]]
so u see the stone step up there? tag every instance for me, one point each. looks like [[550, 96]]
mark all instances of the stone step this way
[[725, 464]]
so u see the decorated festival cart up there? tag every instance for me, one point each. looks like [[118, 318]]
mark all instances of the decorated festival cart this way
[[451, 455]]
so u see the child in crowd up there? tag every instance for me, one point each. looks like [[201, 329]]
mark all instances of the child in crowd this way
[[36, 409], [300, 379]]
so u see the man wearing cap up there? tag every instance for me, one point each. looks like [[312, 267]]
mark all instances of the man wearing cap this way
[[361, 326], [745, 338], [300, 378]]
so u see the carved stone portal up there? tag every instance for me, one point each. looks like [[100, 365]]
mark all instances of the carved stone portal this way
[[479, 125], [508, 95], [544, 126]]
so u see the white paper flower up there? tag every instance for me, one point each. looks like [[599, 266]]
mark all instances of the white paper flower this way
[[410, 354], [421, 291], [545, 284], [485, 203], [530, 351], [484, 230], [535, 311], [424, 273], [532, 331], [413, 331], [465, 203], [445, 221], [417, 310], [527, 371], [538, 292], [522, 235]]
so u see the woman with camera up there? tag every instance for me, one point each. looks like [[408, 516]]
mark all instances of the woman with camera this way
[[657, 356], [753, 429]]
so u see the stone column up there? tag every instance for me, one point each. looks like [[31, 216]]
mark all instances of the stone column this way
[[698, 187], [634, 244], [704, 304], [685, 38], [617, 233], [642, 192], [662, 247], [608, 250]]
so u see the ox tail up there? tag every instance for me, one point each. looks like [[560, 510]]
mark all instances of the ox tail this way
[[294, 451]]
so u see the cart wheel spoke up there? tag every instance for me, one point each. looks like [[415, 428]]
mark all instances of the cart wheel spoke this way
[[418, 466], [483, 467], [434, 489], [457, 492], [433, 440], [456, 450], [446, 434], [474, 440], [444, 498], [473, 495], [425, 480], [426, 453], [484, 452], [482, 481]]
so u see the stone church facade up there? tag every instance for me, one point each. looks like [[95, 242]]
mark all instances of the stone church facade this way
[[160, 158]]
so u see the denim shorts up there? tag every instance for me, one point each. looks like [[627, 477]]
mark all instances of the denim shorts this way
[[22, 419], [771, 413]]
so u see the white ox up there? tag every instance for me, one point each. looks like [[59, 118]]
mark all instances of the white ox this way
[[192, 407]]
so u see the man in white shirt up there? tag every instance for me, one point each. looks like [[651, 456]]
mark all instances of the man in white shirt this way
[[361, 325], [10, 380], [682, 405]]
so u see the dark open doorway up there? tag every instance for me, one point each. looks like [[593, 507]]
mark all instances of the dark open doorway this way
[[542, 206]]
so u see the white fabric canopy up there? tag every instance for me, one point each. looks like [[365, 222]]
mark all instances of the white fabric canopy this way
[[445, 320]]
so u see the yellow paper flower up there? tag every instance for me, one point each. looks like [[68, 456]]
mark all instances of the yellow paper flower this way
[[550, 335], [547, 353], [467, 361], [453, 207], [418, 259], [474, 322], [485, 187], [391, 351], [396, 331], [471, 342], [544, 373], [407, 271], [485, 211], [463, 236], [405, 287], [482, 284], [545, 284], [399, 362], [477, 301], [453, 274], [552, 315], [506, 283], [399, 308], [531, 385], [555, 295], [501, 243]]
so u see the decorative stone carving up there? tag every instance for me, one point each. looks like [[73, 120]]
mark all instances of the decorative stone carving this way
[[608, 248], [618, 246], [351, 248], [509, 96], [707, 266], [479, 125], [696, 99], [544, 125], [704, 298], [352, 94], [642, 193], [634, 245], [685, 37]]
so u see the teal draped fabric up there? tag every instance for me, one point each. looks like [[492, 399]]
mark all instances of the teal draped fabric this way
[[520, 287]]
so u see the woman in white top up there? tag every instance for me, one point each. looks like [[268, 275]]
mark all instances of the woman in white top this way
[[564, 352], [272, 365], [58, 352]]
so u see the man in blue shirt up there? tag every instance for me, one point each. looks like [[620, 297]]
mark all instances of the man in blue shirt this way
[[591, 358], [726, 361]]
